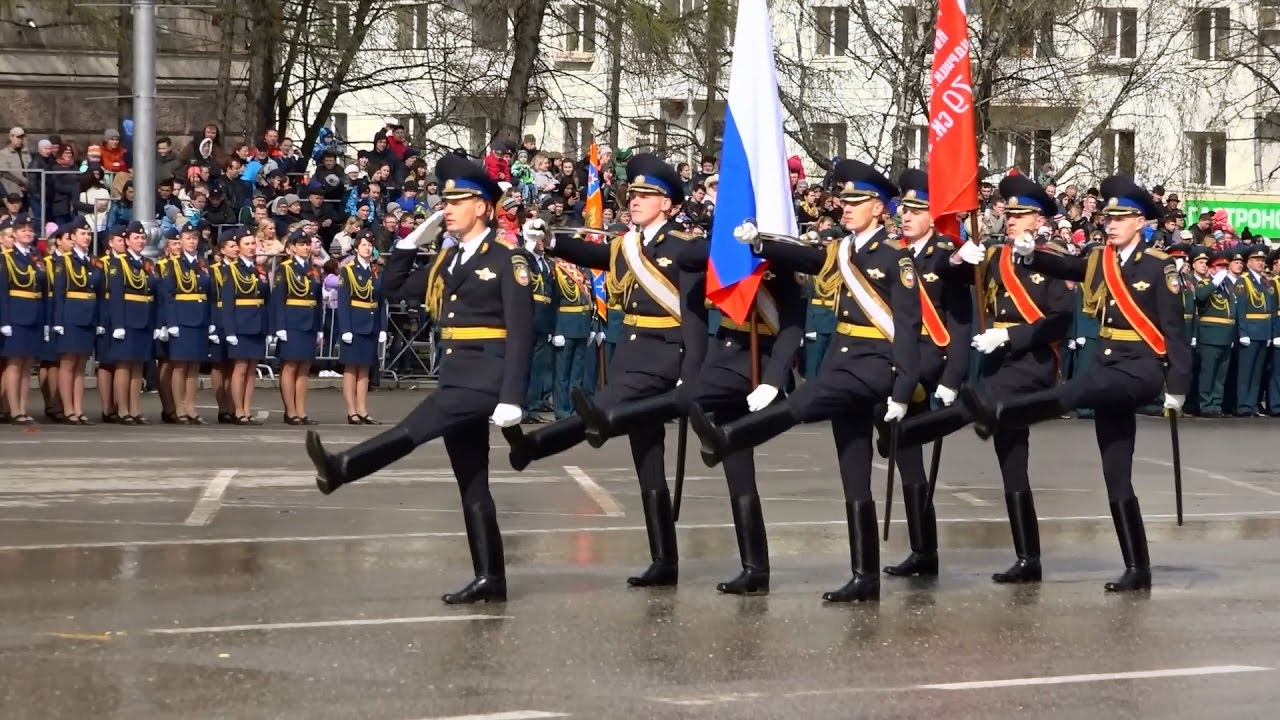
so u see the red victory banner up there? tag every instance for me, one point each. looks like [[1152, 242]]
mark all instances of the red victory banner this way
[[953, 145]]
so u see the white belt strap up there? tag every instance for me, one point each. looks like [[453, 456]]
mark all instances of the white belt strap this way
[[873, 306], [649, 277]]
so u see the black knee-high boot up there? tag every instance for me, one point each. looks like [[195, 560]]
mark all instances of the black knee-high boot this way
[[1026, 539], [753, 547], [1127, 517], [601, 425], [922, 527], [543, 442], [752, 429], [662, 541], [925, 428], [864, 550], [334, 470], [490, 583]]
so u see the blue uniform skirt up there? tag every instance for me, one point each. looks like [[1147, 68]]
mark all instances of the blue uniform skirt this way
[[137, 346], [300, 347], [103, 348], [218, 351], [362, 352], [75, 340], [191, 345], [27, 341], [49, 353], [247, 347]]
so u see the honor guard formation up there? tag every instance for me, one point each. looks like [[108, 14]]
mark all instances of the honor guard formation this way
[[902, 340]]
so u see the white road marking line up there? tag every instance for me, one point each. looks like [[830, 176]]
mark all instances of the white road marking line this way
[[509, 715], [1097, 677], [1216, 476], [453, 510], [211, 500], [601, 496], [354, 622], [970, 498], [92, 479]]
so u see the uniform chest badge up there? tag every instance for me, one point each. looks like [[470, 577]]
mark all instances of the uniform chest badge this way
[[907, 273], [664, 262], [519, 268], [1037, 278], [485, 274], [930, 277], [1141, 285], [875, 274]]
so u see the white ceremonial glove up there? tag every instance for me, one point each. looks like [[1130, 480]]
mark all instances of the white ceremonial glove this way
[[382, 337], [117, 334], [1080, 342], [213, 329], [215, 339], [6, 330], [1193, 342], [232, 340], [533, 230], [811, 237], [1071, 344], [1274, 341], [811, 336], [100, 330], [896, 411], [173, 332], [762, 397], [1174, 402], [164, 334], [558, 341], [945, 394], [347, 338], [1244, 342], [46, 333], [157, 334], [1024, 245], [506, 415], [1218, 277], [59, 329], [747, 233], [968, 252], [679, 382], [282, 335], [987, 342]]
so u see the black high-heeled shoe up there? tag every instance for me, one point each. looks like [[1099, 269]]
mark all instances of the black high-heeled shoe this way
[[354, 420], [369, 421]]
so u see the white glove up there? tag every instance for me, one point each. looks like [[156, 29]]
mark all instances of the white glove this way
[[46, 333], [320, 338], [506, 415], [1274, 341], [100, 330], [164, 334], [1193, 342], [1174, 402], [533, 230], [1244, 342], [348, 337], [1080, 342], [896, 411], [213, 329], [762, 397], [215, 339], [679, 382], [117, 334], [173, 332], [382, 337], [1218, 277], [157, 334], [987, 342], [1024, 245], [232, 340], [945, 394], [599, 339], [811, 237], [6, 330], [1071, 344], [283, 335], [747, 233], [968, 252], [811, 336], [558, 341], [59, 329]]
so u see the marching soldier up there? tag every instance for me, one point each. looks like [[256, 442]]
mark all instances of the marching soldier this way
[[1215, 333], [244, 323], [873, 359], [1255, 321], [1193, 263], [478, 291], [77, 283], [946, 310], [360, 322], [297, 321], [185, 301], [131, 287], [164, 366], [1030, 314], [571, 342], [104, 344], [58, 245], [22, 316], [664, 325], [541, 371], [221, 367], [1137, 293]]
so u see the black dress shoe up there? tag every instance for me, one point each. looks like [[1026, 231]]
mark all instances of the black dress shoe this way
[[306, 420], [5, 418], [226, 418], [482, 589], [128, 420], [196, 420], [111, 418], [56, 416], [366, 420], [354, 420], [292, 420], [140, 420]]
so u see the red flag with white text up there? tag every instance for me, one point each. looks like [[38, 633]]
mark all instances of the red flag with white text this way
[[953, 145]]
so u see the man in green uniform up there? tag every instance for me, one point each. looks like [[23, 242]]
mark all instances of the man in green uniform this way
[[1083, 334], [544, 327], [820, 322], [1255, 317], [575, 308], [1215, 334]]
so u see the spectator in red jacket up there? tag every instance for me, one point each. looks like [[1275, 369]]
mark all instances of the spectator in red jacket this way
[[113, 152], [498, 163]]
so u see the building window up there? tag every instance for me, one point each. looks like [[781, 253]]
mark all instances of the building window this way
[[830, 139], [578, 136], [832, 26], [917, 25], [338, 121], [1269, 22], [581, 28], [1030, 37], [412, 26], [651, 136], [482, 130], [1208, 158], [918, 146], [1117, 152], [1026, 150], [489, 25], [1212, 28], [1119, 32]]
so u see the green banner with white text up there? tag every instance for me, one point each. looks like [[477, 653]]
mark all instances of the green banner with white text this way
[[1260, 216]]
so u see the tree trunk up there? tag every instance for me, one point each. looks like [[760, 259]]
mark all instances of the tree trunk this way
[[528, 16], [124, 63], [226, 24], [361, 19], [263, 34], [615, 72]]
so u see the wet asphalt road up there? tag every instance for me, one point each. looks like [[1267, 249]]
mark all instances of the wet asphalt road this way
[[196, 573]]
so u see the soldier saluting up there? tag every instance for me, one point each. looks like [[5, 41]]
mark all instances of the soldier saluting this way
[[1141, 350], [478, 292]]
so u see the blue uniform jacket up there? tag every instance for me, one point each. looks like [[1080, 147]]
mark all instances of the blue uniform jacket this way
[[575, 304], [243, 295], [295, 298], [131, 287], [22, 290], [184, 293], [77, 286], [361, 309], [545, 295]]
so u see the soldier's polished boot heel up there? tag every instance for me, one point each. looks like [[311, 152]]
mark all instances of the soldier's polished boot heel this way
[[746, 432], [543, 442], [1133, 546], [753, 547], [487, 560], [922, 527], [333, 470], [664, 570], [1026, 539], [864, 548], [605, 424], [982, 411]]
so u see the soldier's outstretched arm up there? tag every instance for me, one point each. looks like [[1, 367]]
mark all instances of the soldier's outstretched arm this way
[[793, 258], [400, 281], [1063, 267], [579, 251]]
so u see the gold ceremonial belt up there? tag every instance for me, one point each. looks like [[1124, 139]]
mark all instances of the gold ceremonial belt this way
[[24, 294], [1003, 324], [473, 333], [364, 305], [541, 298], [729, 324], [820, 301], [1257, 316], [860, 331], [1120, 335], [134, 297], [248, 302], [81, 296], [580, 309], [1217, 320], [190, 297], [296, 302], [650, 322]]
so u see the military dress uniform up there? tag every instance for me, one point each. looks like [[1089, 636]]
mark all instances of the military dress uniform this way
[[946, 308], [244, 318], [1273, 386], [1215, 336], [361, 311], [184, 299], [1036, 312], [164, 266], [103, 344], [1255, 322], [873, 358], [131, 290], [23, 305], [665, 318], [541, 377], [482, 300], [820, 321], [1141, 350], [575, 311], [296, 307], [49, 351], [77, 284]]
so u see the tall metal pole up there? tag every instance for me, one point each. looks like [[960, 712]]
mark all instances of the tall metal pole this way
[[144, 119]]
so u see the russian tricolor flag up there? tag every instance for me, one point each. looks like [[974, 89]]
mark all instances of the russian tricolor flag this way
[[754, 182]]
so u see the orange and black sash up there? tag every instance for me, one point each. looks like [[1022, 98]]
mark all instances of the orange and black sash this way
[[1137, 319], [1017, 291], [933, 321]]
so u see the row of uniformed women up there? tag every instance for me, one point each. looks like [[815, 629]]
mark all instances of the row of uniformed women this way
[[181, 311]]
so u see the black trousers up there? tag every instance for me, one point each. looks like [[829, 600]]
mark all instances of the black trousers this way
[[722, 388], [461, 417], [910, 460]]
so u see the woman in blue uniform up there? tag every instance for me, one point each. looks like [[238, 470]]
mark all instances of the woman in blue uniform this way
[[244, 295], [220, 365], [59, 244], [103, 349], [184, 298], [297, 322], [164, 366], [77, 284], [131, 287], [360, 322], [22, 316], [6, 245]]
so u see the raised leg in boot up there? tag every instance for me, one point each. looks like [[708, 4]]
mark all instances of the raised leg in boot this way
[[543, 442], [605, 423], [719, 441]]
